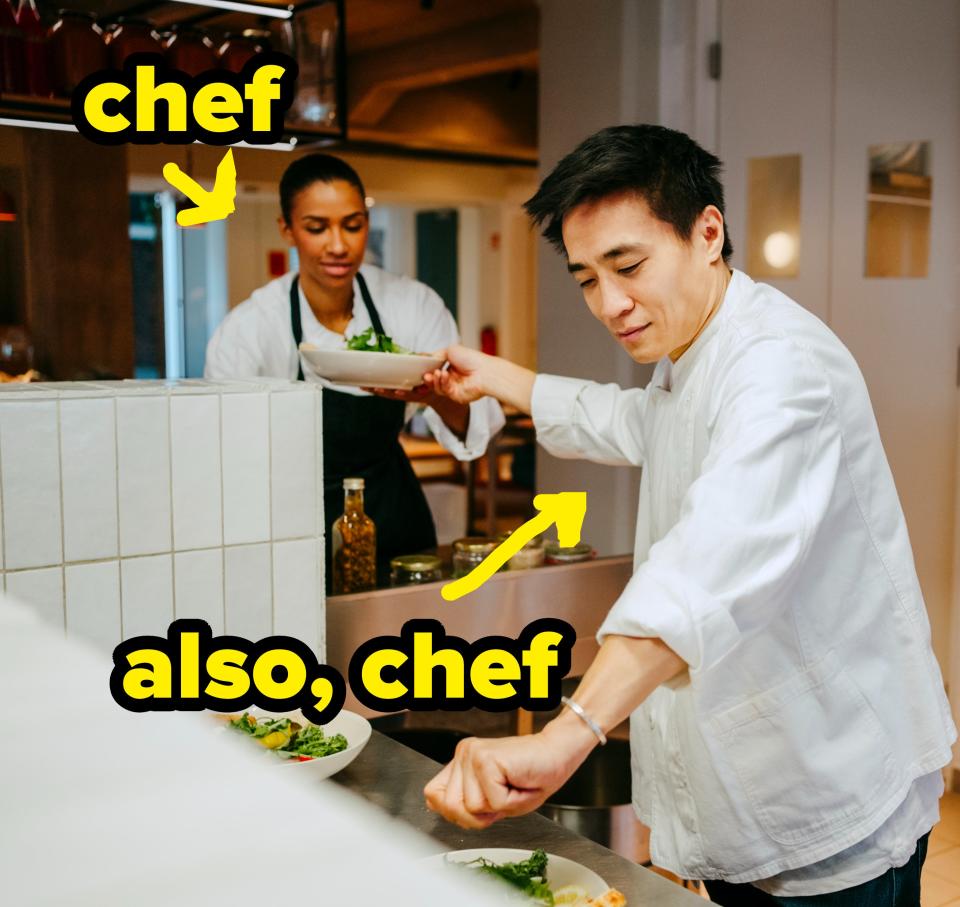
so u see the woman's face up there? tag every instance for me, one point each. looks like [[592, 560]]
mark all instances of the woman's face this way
[[329, 226]]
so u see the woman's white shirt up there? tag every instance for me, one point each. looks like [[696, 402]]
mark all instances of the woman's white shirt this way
[[772, 555], [256, 340]]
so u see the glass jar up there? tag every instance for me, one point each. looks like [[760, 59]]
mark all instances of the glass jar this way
[[354, 543], [131, 36], [415, 569], [237, 50], [469, 553], [77, 48], [529, 556], [554, 554], [190, 50]]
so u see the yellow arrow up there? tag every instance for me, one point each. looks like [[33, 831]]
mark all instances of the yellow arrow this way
[[212, 204], [567, 509]]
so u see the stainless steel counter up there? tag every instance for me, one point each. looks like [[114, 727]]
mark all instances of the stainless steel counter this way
[[392, 776], [581, 594]]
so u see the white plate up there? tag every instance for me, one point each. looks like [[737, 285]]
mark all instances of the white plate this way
[[354, 727], [357, 368], [560, 871]]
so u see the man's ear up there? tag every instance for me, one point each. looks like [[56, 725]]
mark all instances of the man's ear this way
[[710, 231]]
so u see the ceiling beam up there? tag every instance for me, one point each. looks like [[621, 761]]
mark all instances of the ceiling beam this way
[[378, 78]]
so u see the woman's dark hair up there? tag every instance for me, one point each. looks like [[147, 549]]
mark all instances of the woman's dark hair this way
[[314, 168], [669, 170]]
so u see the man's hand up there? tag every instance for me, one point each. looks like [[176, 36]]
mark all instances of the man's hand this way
[[491, 779], [470, 375]]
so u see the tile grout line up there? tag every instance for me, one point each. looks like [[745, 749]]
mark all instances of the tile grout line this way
[[165, 551], [116, 482], [173, 547], [223, 536], [63, 543]]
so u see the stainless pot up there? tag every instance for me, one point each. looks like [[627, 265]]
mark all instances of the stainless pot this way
[[596, 803]]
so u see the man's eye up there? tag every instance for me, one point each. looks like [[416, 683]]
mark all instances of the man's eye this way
[[586, 284], [629, 269]]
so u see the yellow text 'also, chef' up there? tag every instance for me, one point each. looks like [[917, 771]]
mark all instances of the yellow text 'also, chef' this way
[[148, 102], [422, 668]]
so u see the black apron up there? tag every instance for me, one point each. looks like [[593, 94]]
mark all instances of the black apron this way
[[361, 438]]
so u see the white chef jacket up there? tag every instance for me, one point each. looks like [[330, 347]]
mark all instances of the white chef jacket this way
[[772, 555], [256, 340]]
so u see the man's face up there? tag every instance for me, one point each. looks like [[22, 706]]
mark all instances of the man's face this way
[[650, 288]]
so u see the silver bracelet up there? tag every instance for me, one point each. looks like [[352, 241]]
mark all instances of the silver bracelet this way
[[578, 710]]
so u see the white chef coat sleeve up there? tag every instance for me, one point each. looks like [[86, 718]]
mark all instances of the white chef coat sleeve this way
[[579, 419], [234, 350], [747, 521], [437, 330]]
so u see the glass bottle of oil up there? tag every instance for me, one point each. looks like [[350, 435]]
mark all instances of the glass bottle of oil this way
[[354, 543]]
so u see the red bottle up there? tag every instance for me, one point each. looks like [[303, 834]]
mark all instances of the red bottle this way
[[12, 75], [76, 44], [36, 50]]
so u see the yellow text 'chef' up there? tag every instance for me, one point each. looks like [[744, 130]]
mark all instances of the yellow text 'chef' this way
[[147, 102]]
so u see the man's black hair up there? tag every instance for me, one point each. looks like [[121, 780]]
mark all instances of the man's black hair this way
[[310, 169], [669, 170]]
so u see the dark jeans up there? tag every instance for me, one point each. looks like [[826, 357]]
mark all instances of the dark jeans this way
[[895, 888]]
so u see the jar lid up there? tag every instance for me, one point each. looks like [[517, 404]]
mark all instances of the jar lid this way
[[581, 551], [416, 563], [475, 544], [353, 484], [535, 542]]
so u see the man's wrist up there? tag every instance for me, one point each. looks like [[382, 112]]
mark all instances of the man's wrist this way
[[571, 735]]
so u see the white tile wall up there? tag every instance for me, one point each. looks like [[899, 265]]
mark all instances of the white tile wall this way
[[146, 592], [196, 471], [295, 465], [126, 504], [198, 586], [297, 603], [30, 467], [88, 458], [93, 602], [143, 474], [42, 590], [248, 591], [246, 484]]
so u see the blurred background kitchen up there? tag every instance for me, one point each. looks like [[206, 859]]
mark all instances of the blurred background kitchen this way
[[838, 122]]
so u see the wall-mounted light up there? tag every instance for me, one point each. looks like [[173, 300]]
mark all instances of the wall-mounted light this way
[[779, 249]]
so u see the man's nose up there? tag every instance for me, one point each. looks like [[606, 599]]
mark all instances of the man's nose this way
[[614, 301]]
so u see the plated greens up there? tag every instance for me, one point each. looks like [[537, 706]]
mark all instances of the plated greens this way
[[369, 341], [528, 882], [289, 739]]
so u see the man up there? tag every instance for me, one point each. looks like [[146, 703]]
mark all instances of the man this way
[[788, 718]]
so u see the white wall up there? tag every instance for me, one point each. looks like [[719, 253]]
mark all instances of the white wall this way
[[586, 85], [828, 79], [124, 505]]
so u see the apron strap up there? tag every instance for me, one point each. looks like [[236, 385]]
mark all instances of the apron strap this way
[[368, 302], [297, 326], [295, 322]]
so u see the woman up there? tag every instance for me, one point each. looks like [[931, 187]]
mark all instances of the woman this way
[[332, 296]]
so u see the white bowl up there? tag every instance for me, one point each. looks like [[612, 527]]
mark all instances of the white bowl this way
[[354, 727], [560, 871], [397, 371]]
